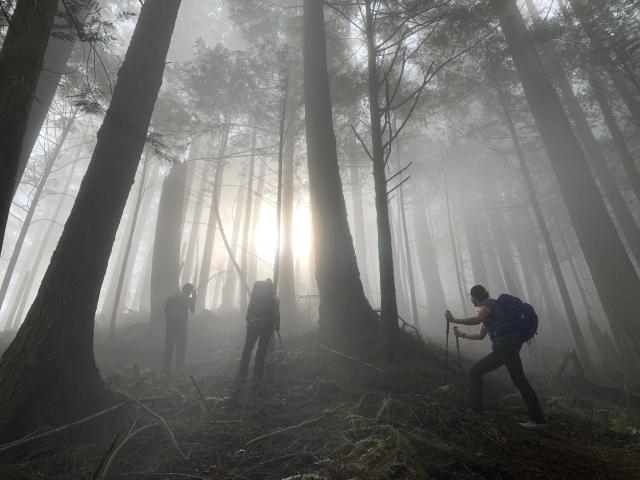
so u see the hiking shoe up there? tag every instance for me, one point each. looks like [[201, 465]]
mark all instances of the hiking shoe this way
[[531, 425]]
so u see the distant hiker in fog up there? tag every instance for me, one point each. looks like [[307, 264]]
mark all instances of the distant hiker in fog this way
[[509, 323], [177, 311], [263, 317]]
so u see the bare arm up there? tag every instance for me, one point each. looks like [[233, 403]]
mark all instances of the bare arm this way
[[471, 336], [482, 315]]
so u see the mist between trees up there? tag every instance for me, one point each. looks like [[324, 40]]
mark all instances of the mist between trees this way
[[375, 158]]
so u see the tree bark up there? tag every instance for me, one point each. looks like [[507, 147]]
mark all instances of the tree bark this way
[[345, 314], [21, 58], [358, 225], [252, 272], [165, 266], [230, 279], [48, 375]]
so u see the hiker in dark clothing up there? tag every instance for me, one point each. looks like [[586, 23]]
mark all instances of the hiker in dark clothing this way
[[505, 352], [263, 317], [177, 311]]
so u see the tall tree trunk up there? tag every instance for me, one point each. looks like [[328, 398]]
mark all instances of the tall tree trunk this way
[[11, 320], [193, 254], [572, 318], [127, 249], [474, 243], [209, 240], [408, 260], [55, 59], [165, 267], [428, 263], [50, 161], [247, 225], [20, 65], [388, 300], [345, 313], [48, 375]]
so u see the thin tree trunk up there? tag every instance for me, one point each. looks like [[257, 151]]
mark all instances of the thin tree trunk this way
[[51, 160], [20, 67], [52, 354], [474, 243], [572, 318], [10, 322], [409, 263], [388, 300], [257, 208], [345, 314], [248, 218], [207, 254], [44, 241], [454, 249], [230, 280], [127, 249], [283, 120], [428, 262], [358, 224]]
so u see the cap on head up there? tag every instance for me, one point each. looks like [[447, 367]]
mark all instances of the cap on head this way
[[479, 292], [187, 287]]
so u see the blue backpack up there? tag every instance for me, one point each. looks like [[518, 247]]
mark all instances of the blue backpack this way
[[520, 318]]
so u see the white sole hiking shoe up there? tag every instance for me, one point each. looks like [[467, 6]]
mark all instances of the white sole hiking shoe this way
[[530, 425]]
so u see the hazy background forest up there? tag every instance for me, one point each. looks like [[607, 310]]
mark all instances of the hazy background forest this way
[[456, 168]]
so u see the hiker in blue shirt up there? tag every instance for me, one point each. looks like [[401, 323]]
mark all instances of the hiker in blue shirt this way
[[505, 351]]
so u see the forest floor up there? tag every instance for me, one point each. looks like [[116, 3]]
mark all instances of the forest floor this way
[[324, 416]]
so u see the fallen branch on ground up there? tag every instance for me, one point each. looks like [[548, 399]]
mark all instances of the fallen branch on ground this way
[[340, 354], [30, 438], [114, 454], [294, 427]]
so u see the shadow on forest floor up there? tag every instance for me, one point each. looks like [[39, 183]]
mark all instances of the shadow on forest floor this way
[[324, 416]]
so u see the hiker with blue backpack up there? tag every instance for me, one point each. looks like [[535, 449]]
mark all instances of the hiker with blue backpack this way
[[509, 323]]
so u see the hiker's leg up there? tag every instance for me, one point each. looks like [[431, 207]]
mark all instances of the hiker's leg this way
[[510, 354], [486, 365], [263, 348], [181, 346], [252, 335], [169, 343]]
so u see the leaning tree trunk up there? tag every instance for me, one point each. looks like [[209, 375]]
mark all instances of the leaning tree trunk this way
[[612, 271], [572, 317], [165, 266], [55, 60], [230, 279], [48, 375], [20, 66], [345, 313], [26, 223]]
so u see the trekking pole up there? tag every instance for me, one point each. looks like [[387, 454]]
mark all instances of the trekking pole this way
[[459, 363], [281, 344], [446, 354]]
